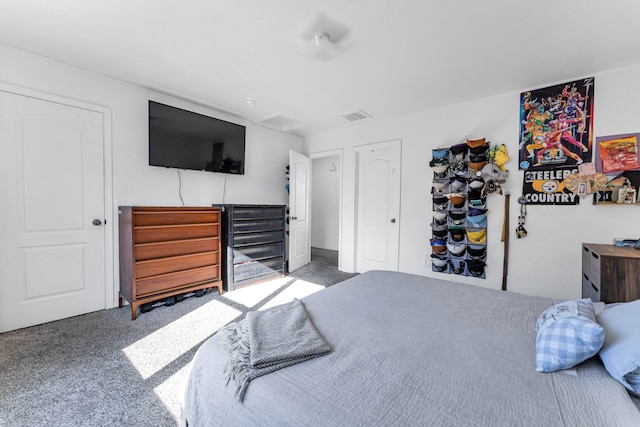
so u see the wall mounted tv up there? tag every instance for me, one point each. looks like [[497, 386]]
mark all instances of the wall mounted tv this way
[[186, 140]]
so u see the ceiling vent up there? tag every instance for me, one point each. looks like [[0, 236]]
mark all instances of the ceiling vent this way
[[281, 122], [356, 115]]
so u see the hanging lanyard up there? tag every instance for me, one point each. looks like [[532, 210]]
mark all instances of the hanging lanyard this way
[[521, 231]]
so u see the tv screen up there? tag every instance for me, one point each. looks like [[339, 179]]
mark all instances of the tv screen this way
[[186, 140]]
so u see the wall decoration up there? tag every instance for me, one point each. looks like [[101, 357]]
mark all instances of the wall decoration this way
[[546, 186], [556, 125], [463, 175], [616, 153], [621, 189], [586, 181], [619, 154]]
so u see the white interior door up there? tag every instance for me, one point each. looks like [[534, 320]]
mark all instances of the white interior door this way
[[52, 256], [299, 210], [378, 209]]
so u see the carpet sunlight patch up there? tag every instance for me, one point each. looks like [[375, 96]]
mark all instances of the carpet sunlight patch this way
[[298, 289], [178, 337], [251, 296], [166, 392]]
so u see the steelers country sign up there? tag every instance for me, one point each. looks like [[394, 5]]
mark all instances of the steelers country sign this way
[[545, 186]]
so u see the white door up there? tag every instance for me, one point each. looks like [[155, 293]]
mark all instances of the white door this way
[[52, 256], [299, 212], [378, 209]]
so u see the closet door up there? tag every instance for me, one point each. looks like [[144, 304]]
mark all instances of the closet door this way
[[378, 208], [52, 233]]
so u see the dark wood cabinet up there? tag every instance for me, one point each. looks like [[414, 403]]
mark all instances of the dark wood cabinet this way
[[610, 273], [167, 251], [253, 244]]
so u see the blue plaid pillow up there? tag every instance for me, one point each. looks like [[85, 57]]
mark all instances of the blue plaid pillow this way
[[567, 334]]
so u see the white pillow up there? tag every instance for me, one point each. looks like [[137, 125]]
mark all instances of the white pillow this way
[[567, 334], [621, 350]]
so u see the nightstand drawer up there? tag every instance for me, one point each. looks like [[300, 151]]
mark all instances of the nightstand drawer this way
[[589, 289], [594, 268]]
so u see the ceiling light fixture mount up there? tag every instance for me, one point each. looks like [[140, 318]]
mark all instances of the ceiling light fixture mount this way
[[321, 48]]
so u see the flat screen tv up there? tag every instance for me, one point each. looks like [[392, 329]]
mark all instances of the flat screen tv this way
[[186, 140]]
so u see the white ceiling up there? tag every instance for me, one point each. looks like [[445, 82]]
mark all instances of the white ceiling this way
[[402, 56]]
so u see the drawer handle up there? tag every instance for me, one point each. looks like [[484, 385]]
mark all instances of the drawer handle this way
[[594, 288], [596, 256], [585, 249], [585, 276]]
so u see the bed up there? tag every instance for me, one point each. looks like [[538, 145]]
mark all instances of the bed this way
[[412, 350]]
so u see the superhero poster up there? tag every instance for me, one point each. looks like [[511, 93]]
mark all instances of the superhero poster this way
[[556, 125], [545, 186]]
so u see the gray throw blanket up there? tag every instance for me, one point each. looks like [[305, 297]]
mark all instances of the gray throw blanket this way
[[266, 341]]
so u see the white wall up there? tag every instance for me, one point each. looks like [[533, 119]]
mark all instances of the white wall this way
[[134, 181], [548, 261], [325, 190]]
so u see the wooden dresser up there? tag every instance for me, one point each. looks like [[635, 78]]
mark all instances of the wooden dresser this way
[[167, 251], [254, 244], [610, 273]]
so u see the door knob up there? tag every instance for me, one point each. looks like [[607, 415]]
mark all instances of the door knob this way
[[97, 222], [393, 220]]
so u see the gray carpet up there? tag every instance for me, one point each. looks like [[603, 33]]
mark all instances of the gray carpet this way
[[102, 369]]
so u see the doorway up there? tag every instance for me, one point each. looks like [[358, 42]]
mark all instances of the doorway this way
[[326, 202]]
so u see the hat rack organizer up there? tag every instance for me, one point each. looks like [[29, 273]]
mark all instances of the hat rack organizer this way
[[459, 221]]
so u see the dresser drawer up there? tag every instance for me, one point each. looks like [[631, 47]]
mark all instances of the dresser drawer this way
[[253, 269], [253, 226], [257, 238], [158, 284], [147, 251], [255, 212], [175, 217], [252, 253], [169, 233], [180, 263]]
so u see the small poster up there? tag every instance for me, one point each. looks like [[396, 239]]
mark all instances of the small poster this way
[[545, 186], [617, 153], [556, 125]]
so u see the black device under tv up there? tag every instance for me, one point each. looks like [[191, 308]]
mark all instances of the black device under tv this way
[[186, 140]]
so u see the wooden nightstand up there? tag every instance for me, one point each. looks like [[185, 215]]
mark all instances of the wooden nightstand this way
[[610, 273]]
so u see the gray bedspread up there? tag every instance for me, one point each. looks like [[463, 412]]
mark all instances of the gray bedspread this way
[[410, 350]]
